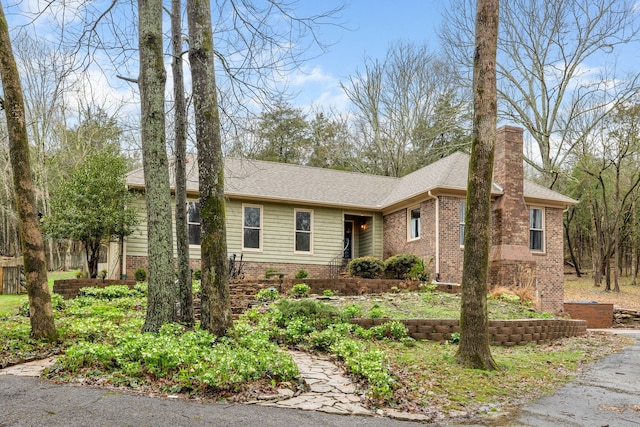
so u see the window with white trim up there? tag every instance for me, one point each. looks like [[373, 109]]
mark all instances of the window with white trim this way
[[536, 229], [413, 220], [303, 230], [463, 213], [193, 223], [252, 227]]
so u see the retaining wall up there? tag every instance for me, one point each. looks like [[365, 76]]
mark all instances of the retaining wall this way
[[501, 332], [70, 288], [597, 315]]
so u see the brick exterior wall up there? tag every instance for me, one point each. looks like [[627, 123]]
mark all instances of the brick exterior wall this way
[[512, 263], [451, 253], [501, 332], [252, 270], [550, 263], [596, 315]]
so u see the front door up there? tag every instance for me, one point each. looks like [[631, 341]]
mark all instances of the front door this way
[[348, 239]]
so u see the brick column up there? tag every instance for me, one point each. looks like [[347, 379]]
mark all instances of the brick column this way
[[511, 263]]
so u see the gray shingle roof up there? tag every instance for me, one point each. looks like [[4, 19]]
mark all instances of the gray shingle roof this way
[[253, 179]]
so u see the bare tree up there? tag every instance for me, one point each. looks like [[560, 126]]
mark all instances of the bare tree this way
[[216, 309], [545, 51], [161, 306], [35, 265], [474, 350], [408, 110]]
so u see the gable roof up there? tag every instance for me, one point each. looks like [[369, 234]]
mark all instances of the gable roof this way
[[261, 180]]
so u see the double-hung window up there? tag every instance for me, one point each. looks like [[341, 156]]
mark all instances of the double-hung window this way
[[303, 230], [413, 219], [536, 229], [463, 210], [193, 223], [252, 227]]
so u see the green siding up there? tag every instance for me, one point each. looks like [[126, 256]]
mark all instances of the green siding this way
[[279, 234]]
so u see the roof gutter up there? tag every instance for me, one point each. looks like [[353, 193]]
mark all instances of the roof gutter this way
[[431, 196]]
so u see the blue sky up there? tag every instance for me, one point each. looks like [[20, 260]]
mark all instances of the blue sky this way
[[368, 28]]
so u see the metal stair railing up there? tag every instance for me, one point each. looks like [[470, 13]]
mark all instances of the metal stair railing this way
[[338, 262]]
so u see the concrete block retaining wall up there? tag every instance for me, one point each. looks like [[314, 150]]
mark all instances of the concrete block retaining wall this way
[[501, 332]]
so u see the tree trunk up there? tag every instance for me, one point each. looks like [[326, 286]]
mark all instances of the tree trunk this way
[[566, 225], [474, 350], [40, 309], [216, 311], [185, 289], [161, 306], [634, 257]]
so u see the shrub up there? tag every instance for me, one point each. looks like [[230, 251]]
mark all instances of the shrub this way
[[351, 311], [268, 272], [108, 292], [301, 274], [103, 274], [140, 275], [266, 295], [404, 266], [367, 267], [328, 293], [299, 290], [321, 314], [197, 275], [454, 338]]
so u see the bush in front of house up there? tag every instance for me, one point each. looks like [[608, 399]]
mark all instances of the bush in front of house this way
[[367, 267], [301, 274], [405, 266], [140, 275]]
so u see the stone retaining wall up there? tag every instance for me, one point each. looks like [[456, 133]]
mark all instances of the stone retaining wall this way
[[501, 332], [70, 288], [624, 318]]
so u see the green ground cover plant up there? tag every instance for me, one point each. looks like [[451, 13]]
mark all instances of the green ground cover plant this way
[[101, 343]]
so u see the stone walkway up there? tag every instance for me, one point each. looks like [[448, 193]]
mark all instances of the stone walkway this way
[[29, 369], [329, 390]]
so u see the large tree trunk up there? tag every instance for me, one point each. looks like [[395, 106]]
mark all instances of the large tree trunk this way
[[216, 311], [185, 289], [161, 306], [474, 350], [40, 311]]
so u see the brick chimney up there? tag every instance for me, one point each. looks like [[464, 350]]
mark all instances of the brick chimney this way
[[511, 263]]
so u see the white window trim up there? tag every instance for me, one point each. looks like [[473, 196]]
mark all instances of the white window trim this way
[[409, 225], [295, 231], [463, 223], [259, 249], [542, 229], [191, 245]]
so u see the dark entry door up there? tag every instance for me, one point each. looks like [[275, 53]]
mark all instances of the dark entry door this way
[[348, 239]]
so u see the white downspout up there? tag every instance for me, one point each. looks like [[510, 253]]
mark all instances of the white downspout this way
[[437, 276]]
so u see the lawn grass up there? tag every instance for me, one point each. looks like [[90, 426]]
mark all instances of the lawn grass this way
[[432, 305], [583, 289], [429, 378], [9, 304]]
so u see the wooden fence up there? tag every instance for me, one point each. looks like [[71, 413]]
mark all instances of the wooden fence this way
[[11, 276]]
